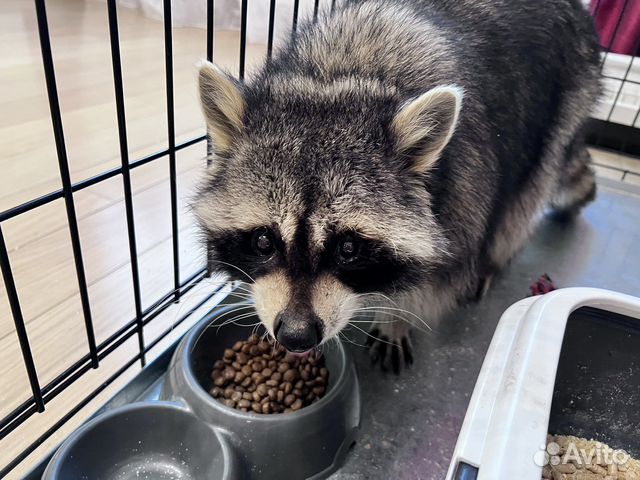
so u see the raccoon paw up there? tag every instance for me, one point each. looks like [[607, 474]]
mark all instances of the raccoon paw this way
[[390, 345]]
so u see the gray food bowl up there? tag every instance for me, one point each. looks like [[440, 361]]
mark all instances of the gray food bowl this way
[[146, 440], [309, 443], [188, 435]]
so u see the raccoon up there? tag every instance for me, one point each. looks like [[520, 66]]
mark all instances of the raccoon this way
[[395, 153]]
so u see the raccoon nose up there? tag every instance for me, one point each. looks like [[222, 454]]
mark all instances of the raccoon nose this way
[[298, 334]]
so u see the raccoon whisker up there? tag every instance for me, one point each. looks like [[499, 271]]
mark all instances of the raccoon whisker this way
[[236, 267], [241, 286], [343, 336], [212, 324], [254, 329], [374, 294], [374, 337], [238, 294], [371, 322], [393, 315], [235, 318], [265, 337], [226, 314], [395, 309], [201, 286]]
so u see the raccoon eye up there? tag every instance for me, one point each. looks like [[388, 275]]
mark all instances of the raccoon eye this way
[[348, 249], [262, 242]]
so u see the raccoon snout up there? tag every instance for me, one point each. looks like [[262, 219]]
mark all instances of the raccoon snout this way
[[298, 334]]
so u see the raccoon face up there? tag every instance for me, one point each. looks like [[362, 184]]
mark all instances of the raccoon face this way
[[316, 195]]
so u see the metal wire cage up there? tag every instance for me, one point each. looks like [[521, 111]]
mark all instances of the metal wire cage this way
[[606, 130], [616, 119]]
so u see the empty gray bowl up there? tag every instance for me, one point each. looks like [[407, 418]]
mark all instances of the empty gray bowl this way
[[309, 443], [147, 440]]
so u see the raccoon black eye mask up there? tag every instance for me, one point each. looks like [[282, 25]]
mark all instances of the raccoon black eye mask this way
[[393, 157], [362, 264]]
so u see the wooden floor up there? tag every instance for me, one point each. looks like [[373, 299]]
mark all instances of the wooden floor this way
[[38, 241]]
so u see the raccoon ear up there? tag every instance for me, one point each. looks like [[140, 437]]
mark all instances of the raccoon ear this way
[[222, 103], [424, 126]]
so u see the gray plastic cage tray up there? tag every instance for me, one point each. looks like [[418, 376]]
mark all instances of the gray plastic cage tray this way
[[176, 430]]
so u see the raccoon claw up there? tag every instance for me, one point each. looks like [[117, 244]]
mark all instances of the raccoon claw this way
[[394, 339]]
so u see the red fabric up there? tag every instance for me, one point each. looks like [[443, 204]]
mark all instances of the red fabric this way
[[543, 285], [625, 37]]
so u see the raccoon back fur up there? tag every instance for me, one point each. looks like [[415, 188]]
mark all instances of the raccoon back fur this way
[[397, 151]]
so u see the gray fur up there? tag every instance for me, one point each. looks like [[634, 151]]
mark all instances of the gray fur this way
[[319, 156]]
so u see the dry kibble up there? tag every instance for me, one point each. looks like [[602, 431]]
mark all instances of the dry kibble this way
[[283, 367], [290, 375], [597, 469], [242, 358], [219, 365], [262, 389], [565, 468], [599, 465], [236, 396], [254, 376], [582, 475]]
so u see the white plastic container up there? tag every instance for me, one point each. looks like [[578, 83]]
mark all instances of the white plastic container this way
[[507, 419]]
